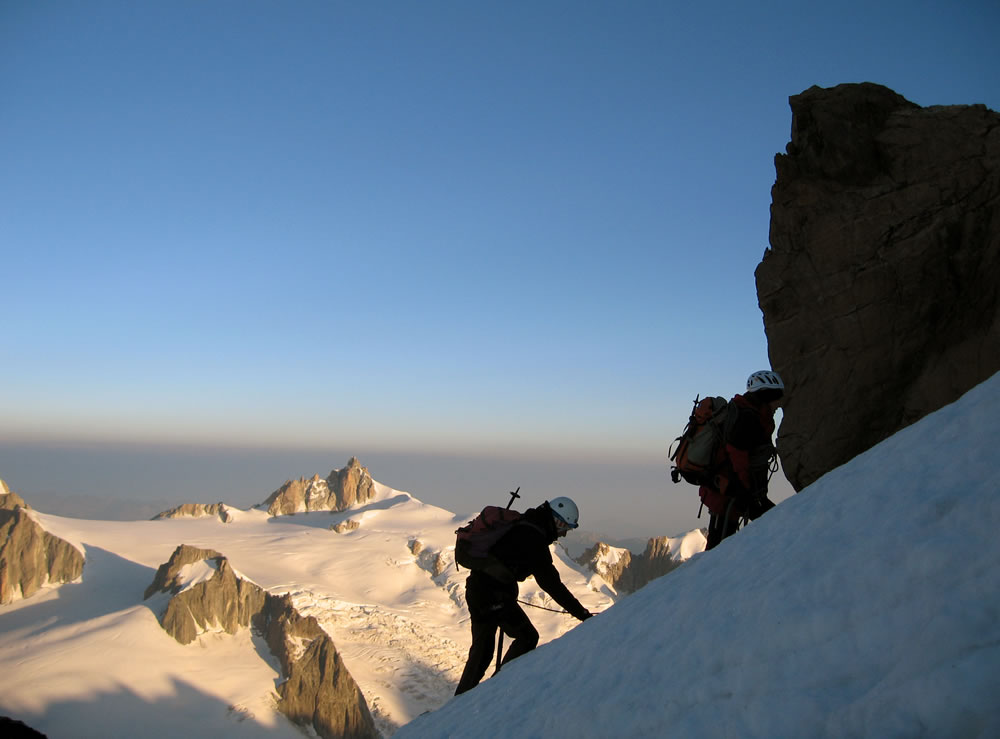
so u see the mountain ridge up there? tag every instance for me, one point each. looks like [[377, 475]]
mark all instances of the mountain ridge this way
[[385, 590]]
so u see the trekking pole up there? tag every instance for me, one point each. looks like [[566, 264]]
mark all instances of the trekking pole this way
[[499, 650], [513, 496]]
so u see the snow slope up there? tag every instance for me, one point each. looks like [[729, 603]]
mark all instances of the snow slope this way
[[90, 659], [868, 605]]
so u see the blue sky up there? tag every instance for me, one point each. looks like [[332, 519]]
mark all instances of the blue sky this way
[[483, 230]]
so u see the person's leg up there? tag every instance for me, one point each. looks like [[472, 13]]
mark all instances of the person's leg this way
[[484, 605], [516, 624], [722, 525], [714, 531], [484, 633], [731, 521]]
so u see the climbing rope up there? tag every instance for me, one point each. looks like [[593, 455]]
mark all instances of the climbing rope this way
[[551, 610]]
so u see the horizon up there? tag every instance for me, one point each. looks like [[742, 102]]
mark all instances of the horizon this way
[[135, 482], [521, 234]]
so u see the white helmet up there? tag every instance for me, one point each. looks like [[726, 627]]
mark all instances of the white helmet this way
[[764, 380], [566, 511]]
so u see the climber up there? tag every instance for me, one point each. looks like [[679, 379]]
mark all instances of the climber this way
[[492, 598], [739, 489]]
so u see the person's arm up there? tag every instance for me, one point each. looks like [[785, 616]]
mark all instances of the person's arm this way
[[548, 580]]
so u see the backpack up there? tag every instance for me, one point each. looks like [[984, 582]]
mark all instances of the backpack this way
[[700, 447], [474, 541]]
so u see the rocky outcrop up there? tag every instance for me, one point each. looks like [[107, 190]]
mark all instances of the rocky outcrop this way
[[435, 562], [206, 593], [627, 572], [197, 510], [321, 693], [285, 630], [611, 563], [9, 500], [13, 729], [881, 287], [339, 491], [31, 557]]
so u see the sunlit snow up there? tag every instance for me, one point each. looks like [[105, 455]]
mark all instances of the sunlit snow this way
[[388, 593], [867, 605]]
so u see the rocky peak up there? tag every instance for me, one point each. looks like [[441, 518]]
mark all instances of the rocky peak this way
[[205, 592], [609, 562], [627, 572], [31, 557], [339, 491], [9, 500], [197, 510], [170, 575], [881, 288]]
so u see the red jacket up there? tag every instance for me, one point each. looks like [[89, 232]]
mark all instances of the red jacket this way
[[743, 476]]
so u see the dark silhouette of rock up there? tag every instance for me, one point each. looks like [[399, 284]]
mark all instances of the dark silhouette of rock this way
[[197, 510], [318, 691], [13, 729], [339, 491], [31, 557], [880, 287]]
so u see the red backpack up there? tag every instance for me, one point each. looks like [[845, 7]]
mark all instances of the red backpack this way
[[701, 446], [474, 540]]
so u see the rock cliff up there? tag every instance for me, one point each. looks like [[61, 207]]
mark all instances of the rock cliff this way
[[880, 288], [321, 693], [30, 557], [197, 510], [207, 593], [611, 563], [9, 500], [340, 490]]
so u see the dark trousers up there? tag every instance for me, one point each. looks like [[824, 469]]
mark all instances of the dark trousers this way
[[492, 608], [721, 525]]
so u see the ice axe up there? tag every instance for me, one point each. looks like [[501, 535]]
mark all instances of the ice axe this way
[[513, 496]]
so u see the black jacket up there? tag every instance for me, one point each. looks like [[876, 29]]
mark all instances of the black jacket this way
[[525, 551], [749, 452]]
